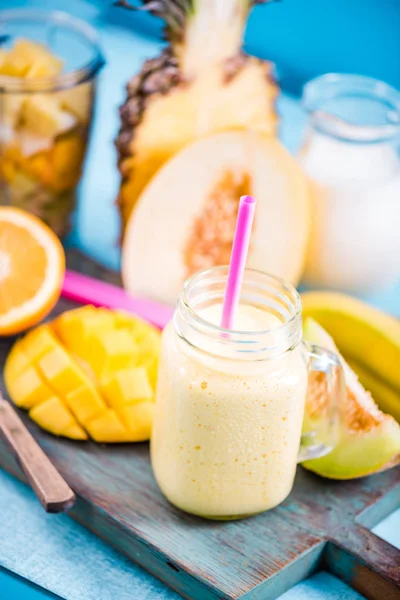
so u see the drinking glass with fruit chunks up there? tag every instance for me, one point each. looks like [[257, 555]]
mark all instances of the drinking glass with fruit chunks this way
[[49, 62]]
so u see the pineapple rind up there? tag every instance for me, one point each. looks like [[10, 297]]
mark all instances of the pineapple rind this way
[[104, 394]]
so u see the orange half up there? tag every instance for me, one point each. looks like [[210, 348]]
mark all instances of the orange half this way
[[32, 266]]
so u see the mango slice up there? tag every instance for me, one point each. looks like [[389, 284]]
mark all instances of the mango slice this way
[[112, 351], [17, 363], [85, 403], [28, 389], [38, 341], [127, 386], [108, 427], [138, 419], [54, 416], [90, 372]]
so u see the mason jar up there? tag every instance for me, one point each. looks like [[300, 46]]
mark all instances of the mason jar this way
[[49, 62], [351, 155], [229, 410]]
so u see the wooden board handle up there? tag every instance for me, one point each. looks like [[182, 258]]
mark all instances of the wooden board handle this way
[[52, 490]]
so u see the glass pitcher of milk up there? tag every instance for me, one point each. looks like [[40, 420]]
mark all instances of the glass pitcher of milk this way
[[351, 154]]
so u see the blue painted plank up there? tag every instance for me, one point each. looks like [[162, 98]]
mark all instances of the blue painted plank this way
[[389, 529], [13, 587], [60, 555], [322, 586]]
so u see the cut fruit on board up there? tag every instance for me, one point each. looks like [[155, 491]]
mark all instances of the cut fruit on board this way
[[32, 265], [185, 218], [368, 439], [367, 337], [90, 372]]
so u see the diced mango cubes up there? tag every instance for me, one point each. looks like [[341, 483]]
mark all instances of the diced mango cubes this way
[[39, 341], [75, 432], [139, 418], [91, 372], [150, 364], [61, 372], [86, 403], [18, 361], [112, 351], [108, 427], [52, 414], [76, 327], [127, 386], [27, 389]]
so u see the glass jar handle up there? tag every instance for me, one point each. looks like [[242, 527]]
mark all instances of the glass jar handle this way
[[326, 394]]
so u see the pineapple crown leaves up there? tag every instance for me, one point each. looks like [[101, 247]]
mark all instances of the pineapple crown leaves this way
[[174, 12]]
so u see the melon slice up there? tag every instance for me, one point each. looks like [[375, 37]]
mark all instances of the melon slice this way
[[369, 440], [386, 397], [185, 218]]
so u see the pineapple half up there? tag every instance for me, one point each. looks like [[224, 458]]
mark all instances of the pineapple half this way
[[202, 83]]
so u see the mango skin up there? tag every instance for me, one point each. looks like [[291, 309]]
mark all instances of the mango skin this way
[[90, 373]]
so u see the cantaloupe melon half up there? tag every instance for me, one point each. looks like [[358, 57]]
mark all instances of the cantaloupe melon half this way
[[185, 218], [369, 440]]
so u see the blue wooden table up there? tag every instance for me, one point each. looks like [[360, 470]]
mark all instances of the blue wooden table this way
[[54, 552]]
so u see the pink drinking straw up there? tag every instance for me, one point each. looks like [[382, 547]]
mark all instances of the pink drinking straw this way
[[237, 263]]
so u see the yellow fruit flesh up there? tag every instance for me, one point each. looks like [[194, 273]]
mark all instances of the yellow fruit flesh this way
[[85, 402], [42, 157], [38, 341], [58, 369], [386, 397], [127, 386], [42, 115], [52, 414], [111, 351], [205, 106], [28, 389], [30, 59], [47, 372]]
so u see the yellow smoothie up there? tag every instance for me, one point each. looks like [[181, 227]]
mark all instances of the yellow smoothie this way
[[227, 432]]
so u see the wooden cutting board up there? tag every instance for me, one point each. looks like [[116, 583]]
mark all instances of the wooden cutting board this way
[[322, 524]]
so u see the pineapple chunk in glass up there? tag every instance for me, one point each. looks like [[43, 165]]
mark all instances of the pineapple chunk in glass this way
[[47, 88]]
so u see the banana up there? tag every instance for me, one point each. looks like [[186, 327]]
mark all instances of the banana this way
[[369, 336]]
